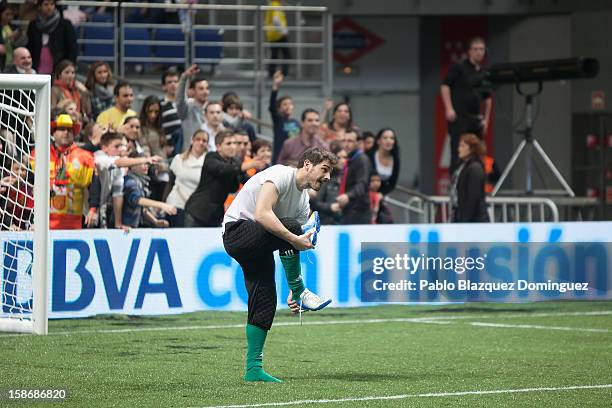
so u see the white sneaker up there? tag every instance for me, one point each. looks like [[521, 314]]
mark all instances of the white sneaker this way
[[311, 301], [314, 225]]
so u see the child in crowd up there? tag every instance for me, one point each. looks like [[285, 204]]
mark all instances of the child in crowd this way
[[110, 167], [100, 83], [234, 117], [261, 150], [375, 196], [136, 202], [70, 107], [19, 198], [369, 140], [65, 86]]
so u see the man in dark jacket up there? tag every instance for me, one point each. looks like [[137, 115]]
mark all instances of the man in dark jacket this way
[[220, 176], [354, 198], [51, 38]]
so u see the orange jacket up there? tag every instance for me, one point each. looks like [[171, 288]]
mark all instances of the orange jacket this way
[[71, 171]]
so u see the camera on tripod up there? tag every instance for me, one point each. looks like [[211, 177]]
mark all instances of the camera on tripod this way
[[539, 72]]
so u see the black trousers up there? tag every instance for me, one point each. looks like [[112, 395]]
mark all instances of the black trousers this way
[[253, 247], [463, 124], [274, 54]]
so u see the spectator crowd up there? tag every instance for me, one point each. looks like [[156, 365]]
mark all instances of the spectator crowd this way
[[179, 160]]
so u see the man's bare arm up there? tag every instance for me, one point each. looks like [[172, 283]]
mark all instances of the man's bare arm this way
[[267, 198], [449, 111]]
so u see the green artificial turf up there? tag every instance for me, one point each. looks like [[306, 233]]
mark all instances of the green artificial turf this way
[[197, 359]]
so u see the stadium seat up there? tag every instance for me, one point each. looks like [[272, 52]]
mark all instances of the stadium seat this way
[[208, 51], [136, 50], [94, 52], [170, 51], [102, 18]]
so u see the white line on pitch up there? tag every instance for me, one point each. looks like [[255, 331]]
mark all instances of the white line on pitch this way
[[426, 319], [425, 395], [519, 315], [539, 327], [241, 325]]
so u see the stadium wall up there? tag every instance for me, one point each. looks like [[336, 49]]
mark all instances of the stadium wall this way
[[155, 272]]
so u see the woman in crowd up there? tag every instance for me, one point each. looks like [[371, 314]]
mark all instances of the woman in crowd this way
[[185, 171], [386, 159], [65, 86], [131, 129], [100, 83], [468, 182], [51, 38], [152, 138], [151, 133], [342, 119]]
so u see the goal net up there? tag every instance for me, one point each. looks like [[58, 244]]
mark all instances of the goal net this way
[[24, 202]]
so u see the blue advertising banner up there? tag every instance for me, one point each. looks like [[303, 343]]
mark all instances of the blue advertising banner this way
[[490, 272], [166, 271]]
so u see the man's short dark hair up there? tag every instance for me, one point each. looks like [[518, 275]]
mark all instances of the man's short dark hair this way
[[281, 100], [169, 73], [212, 103], [307, 111], [195, 80], [335, 146], [222, 135], [355, 131], [476, 40], [317, 155], [108, 137], [119, 85]]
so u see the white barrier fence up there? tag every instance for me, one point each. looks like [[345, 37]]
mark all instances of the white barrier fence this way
[[150, 272]]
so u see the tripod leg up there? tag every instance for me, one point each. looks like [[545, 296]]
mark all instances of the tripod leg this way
[[528, 163], [552, 168], [515, 156]]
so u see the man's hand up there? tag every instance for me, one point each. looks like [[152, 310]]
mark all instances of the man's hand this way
[[97, 132], [91, 219], [277, 79], [168, 209], [124, 228], [342, 200], [161, 223], [154, 159], [451, 115], [328, 105], [302, 242], [293, 305], [246, 115], [191, 71], [335, 207]]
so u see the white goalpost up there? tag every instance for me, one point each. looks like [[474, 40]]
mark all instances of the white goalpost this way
[[24, 202]]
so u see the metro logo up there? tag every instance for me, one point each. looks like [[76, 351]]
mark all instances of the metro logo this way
[[115, 292]]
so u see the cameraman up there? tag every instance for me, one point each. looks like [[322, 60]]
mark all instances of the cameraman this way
[[463, 99]]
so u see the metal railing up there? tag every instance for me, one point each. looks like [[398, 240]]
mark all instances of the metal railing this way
[[227, 39], [233, 37], [420, 208]]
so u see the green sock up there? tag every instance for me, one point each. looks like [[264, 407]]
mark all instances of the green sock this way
[[256, 338], [293, 272]]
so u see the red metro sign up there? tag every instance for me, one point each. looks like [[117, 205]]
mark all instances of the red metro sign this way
[[352, 41]]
